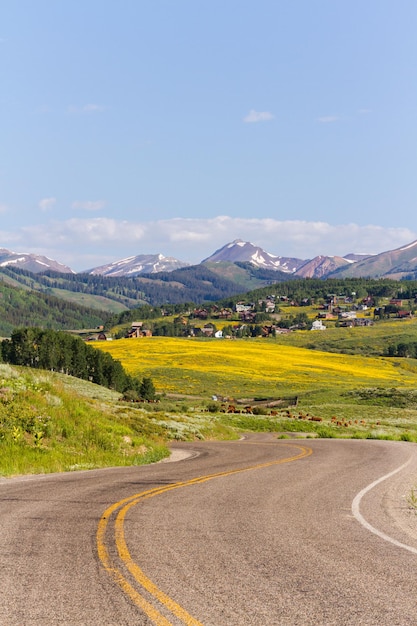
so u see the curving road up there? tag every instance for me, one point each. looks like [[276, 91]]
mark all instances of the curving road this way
[[259, 532]]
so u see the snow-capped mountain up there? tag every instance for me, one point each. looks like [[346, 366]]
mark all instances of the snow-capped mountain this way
[[321, 266], [397, 264], [246, 252], [32, 262], [391, 264], [140, 264]]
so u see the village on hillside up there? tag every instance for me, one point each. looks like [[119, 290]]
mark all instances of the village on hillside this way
[[268, 316]]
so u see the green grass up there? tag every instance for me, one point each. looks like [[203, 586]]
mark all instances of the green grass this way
[[369, 341], [51, 422], [89, 300], [48, 425]]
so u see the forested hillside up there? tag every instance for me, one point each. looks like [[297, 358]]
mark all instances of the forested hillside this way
[[75, 301], [20, 307], [316, 289], [198, 283]]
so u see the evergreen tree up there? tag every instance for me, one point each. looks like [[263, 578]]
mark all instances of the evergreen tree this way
[[147, 389]]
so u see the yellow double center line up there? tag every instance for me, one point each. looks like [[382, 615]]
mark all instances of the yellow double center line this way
[[136, 572]]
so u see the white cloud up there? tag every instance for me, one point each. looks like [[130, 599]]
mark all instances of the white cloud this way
[[88, 205], [258, 116], [4, 208], [96, 231], [92, 108], [328, 119], [86, 108], [84, 243], [46, 204]]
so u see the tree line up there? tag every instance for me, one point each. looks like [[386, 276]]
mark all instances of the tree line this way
[[299, 289], [405, 349], [61, 352]]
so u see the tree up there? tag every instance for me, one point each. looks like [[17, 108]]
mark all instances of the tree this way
[[147, 389]]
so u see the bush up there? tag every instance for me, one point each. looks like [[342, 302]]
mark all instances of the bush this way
[[131, 395], [259, 410]]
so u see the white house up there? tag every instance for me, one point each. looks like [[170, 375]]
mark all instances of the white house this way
[[318, 325]]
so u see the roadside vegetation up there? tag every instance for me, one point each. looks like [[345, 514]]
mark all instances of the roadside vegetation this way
[[52, 422]]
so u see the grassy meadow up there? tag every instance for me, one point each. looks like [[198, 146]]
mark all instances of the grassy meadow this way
[[253, 367], [369, 340], [308, 384], [352, 395]]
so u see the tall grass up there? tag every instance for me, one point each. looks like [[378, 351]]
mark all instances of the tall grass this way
[[46, 426]]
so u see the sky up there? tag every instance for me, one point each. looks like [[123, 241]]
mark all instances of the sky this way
[[178, 126]]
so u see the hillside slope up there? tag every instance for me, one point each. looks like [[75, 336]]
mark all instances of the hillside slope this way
[[394, 263], [22, 307], [196, 283]]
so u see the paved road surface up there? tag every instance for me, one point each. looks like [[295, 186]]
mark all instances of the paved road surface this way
[[253, 533]]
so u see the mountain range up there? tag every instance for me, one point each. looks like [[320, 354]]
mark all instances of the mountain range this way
[[31, 262], [396, 264]]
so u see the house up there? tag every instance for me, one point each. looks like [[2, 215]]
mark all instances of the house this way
[[325, 316], [363, 321], [241, 307], [201, 314], [137, 330], [97, 337], [369, 301], [404, 314], [359, 321], [269, 304], [348, 315], [247, 316], [318, 325]]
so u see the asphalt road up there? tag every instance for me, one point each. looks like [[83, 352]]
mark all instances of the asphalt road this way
[[260, 532]]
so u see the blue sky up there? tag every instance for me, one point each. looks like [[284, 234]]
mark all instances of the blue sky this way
[[175, 127]]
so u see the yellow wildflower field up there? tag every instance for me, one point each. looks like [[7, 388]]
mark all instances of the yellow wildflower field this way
[[253, 366]]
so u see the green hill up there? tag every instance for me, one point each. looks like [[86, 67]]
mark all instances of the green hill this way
[[197, 283], [23, 307]]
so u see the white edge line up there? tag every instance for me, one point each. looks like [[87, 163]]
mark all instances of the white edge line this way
[[362, 520]]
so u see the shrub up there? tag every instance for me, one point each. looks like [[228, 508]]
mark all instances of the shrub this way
[[259, 410]]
